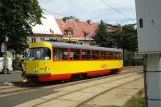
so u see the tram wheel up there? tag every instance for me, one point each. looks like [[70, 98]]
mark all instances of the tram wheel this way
[[64, 81]]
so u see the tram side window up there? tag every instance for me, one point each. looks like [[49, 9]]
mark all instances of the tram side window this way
[[74, 54], [95, 55], [116, 55], [46, 54], [103, 55], [120, 55], [60, 54], [110, 55], [85, 54]]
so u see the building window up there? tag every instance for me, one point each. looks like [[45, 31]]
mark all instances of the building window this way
[[1, 54], [33, 40], [137, 55], [86, 35], [81, 42], [13, 55], [70, 33], [74, 54], [51, 38], [42, 39], [60, 53]]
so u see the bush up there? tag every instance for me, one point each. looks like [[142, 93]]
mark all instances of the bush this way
[[15, 64], [133, 62]]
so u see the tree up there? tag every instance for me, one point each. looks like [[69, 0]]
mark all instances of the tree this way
[[16, 20], [125, 36], [70, 17], [102, 37], [130, 33]]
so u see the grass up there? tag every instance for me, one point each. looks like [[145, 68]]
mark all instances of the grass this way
[[135, 101]]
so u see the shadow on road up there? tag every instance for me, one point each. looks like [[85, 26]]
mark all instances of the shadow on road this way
[[50, 83], [4, 74]]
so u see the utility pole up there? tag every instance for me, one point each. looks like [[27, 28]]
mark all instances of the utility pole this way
[[89, 39], [145, 78], [5, 61], [149, 36]]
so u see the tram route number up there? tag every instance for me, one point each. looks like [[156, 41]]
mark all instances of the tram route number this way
[[104, 66]]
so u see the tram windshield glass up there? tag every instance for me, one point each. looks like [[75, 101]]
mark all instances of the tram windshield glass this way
[[39, 54]]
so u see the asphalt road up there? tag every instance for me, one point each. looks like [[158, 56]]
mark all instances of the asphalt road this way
[[13, 100], [11, 77]]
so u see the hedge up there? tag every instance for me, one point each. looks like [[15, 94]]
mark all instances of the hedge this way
[[15, 63], [133, 62]]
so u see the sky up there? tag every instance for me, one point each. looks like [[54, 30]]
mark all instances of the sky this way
[[94, 10]]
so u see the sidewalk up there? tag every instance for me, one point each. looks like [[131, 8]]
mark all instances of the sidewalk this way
[[17, 71], [117, 96], [120, 87]]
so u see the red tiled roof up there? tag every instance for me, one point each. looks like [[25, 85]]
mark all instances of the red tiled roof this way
[[79, 28]]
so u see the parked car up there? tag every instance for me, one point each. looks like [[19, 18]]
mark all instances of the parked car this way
[[9, 65]]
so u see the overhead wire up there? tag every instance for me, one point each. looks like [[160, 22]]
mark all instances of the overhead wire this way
[[47, 2], [53, 12], [104, 3], [116, 10]]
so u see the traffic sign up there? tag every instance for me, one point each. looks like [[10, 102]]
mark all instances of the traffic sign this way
[[2, 47]]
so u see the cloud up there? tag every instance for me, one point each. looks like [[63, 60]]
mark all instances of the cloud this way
[[93, 9], [130, 22]]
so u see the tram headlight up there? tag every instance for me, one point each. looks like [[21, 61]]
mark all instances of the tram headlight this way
[[35, 69]]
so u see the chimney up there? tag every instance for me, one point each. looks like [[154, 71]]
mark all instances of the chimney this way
[[89, 21]]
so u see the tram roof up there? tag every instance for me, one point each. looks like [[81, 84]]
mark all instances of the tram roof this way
[[77, 46]]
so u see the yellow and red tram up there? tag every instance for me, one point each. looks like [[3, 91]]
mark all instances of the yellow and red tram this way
[[50, 61]]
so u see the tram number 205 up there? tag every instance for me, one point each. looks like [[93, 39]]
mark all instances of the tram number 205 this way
[[103, 66]]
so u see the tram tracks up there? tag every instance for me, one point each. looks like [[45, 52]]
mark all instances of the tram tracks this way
[[94, 78], [101, 93], [92, 89], [10, 90]]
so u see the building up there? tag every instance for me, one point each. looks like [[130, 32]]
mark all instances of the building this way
[[83, 31], [42, 32]]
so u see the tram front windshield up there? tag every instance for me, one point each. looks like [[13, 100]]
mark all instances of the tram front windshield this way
[[39, 54]]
